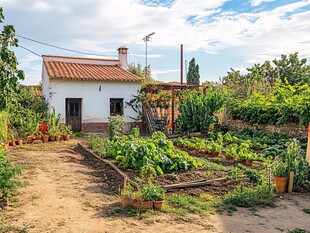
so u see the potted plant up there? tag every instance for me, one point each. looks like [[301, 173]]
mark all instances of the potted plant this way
[[139, 202], [280, 175], [53, 125], [126, 196], [66, 131], [12, 136], [215, 148], [249, 158], [147, 196]]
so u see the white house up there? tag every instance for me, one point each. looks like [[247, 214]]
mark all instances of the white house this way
[[86, 91]]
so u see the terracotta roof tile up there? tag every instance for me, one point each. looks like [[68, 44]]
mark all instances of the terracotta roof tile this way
[[79, 71]]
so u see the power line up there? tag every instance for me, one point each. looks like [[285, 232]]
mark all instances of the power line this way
[[30, 51], [62, 48]]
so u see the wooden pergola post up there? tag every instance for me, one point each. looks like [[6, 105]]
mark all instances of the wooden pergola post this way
[[172, 109], [308, 145]]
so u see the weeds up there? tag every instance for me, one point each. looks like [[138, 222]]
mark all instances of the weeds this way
[[306, 211], [299, 230], [261, 195]]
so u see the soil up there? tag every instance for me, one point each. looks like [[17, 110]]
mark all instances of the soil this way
[[67, 191]]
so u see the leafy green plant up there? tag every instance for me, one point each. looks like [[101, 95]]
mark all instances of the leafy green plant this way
[[196, 112], [152, 192], [4, 121], [116, 125], [279, 168], [53, 123], [8, 172]]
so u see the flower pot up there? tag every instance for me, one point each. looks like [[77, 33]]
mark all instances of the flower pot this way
[[215, 153], [45, 138], [38, 137], [61, 138], [126, 202], [12, 142], [143, 205], [228, 157], [281, 183], [197, 150], [29, 139], [5, 146], [19, 142], [179, 145], [203, 152], [67, 137], [52, 138], [248, 163], [158, 204], [57, 138]]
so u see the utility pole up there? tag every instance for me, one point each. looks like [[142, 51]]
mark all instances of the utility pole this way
[[146, 39]]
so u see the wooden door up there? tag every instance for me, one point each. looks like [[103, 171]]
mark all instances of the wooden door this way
[[74, 113]]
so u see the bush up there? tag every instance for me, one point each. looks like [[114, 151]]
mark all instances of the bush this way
[[8, 172], [4, 120], [116, 125], [196, 112]]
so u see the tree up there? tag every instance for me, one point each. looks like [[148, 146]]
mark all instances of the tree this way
[[9, 73], [193, 76], [136, 69]]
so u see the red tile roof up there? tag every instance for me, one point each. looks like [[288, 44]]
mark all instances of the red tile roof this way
[[81, 71]]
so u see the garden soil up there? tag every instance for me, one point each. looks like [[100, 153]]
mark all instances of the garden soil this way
[[66, 191]]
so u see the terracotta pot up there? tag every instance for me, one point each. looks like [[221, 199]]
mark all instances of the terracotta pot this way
[[38, 137], [12, 142], [62, 138], [67, 137], [5, 146], [281, 183], [197, 150], [191, 148], [19, 142], [146, 205], [179, 145], [215, 153], [228, 157], [248, 163], [126, 202], [158, 204], [29, 139], [203, 152], [52, 138], [57, 138], [45, 138]]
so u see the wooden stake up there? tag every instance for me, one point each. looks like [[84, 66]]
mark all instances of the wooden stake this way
[[291, 182], [308, 145], [125, 183]]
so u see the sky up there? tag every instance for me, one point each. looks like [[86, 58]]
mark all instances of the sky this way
[[219, 34]]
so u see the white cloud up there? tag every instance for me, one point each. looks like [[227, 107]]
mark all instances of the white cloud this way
[[258, 2], [155, 73], [41, 6]]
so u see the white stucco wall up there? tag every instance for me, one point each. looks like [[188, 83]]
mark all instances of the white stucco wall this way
[[95, 103]]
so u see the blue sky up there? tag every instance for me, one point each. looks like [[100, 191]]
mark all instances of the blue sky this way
[[220, 34]]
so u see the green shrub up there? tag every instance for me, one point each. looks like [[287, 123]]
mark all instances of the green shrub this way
[[4, 120], [116, 125], [8, 172]]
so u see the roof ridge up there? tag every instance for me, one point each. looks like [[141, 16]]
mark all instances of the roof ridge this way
[[79, 58]]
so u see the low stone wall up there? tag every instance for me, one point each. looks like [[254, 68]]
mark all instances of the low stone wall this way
[[292, 129]]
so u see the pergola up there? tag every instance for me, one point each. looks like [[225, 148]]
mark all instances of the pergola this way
[[172, 87]]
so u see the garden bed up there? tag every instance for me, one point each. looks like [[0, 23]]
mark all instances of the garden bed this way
[[218, 189]]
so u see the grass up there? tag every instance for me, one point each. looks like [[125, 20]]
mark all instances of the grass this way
[[183, 205], [261, 195], [298, 230], [306, 211], [12, 229]]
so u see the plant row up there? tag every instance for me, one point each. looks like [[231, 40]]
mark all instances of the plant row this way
[[136, 152]]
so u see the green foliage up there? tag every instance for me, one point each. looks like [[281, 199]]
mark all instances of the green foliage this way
[[136, 69], [193, 76], [279, 168], [116, 125], [4, 120], [196, 112], [99, 145], [299, 230], [306, 211], [296, 162], [53, 123], [152, 192], [260, 195], [284, 103], [26, 104], [8, 172], [9, 72]]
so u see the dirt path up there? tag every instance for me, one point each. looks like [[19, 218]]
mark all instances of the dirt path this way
[[65, 193]]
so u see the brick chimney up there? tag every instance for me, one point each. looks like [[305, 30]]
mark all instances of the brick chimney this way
[[122, 57]]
